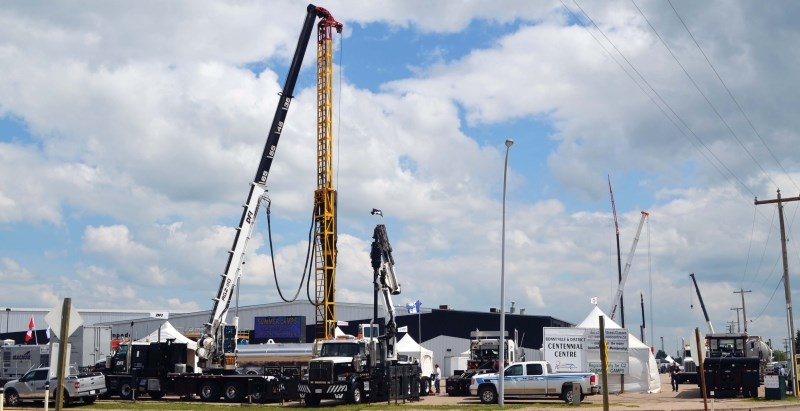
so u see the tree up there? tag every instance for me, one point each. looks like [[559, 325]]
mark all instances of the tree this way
[[797, 342], [660, 355], [778, 355]]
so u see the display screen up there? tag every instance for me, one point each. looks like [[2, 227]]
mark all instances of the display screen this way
[[280, 329]]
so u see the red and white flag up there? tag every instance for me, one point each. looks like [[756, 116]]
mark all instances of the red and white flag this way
[[31, 327]]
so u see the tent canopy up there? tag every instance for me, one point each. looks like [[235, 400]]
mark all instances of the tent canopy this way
[[642, 368], [407, 346], [169, 332]]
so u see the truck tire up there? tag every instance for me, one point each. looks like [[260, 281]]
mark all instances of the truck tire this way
[[67, 399], [356, 394], [424, 386], [487, 394], [232, 392], [89, 400], [209, 391], [126, 390], [312, 400], [750, 392], [12, 398], [566, 394]]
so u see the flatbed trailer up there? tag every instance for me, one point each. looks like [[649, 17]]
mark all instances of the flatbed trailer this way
[[158, 369]]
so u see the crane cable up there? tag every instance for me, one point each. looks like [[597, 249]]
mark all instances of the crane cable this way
[[272, 254]]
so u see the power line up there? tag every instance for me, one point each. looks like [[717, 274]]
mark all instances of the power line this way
[[697, 87], [741, 110], [652, 89]]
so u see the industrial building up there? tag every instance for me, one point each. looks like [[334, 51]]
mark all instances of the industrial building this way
[[443, 330]]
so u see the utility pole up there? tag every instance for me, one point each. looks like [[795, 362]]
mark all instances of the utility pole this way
[[730, 326], [744, 312], [786, 288], [738, 324]]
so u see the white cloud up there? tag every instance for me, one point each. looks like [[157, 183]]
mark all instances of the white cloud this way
[[114, 242], [145, 126]]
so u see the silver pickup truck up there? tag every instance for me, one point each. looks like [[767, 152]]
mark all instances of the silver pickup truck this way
[[531, 379], [31, 387]]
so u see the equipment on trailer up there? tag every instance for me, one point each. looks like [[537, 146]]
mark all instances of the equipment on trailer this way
[[160, 368], [19, 359]]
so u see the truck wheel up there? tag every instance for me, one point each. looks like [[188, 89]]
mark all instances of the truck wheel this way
[[126, 391], [67, 399], [209, 391], [156, 395], [356, 394], [425, 386], [89, 400], [566, 395], [232, 392], [750, 392], [12, 398], [487, 395], [312, 400]]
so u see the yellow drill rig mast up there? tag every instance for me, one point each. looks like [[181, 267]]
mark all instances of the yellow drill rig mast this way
[[325, 194]]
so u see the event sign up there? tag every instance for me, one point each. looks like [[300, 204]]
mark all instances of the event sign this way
[[564, 348], [617, 339]]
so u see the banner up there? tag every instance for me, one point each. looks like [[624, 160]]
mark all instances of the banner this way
[[564, 348]]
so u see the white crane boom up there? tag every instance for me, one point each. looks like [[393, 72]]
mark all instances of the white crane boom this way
[[627, 268]]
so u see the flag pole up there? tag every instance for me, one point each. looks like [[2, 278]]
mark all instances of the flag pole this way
[[35, 337]]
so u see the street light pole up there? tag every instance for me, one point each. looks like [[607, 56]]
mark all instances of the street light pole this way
[[502, 340]]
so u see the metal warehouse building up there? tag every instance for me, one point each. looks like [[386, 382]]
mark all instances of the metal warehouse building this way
[[444, 331]]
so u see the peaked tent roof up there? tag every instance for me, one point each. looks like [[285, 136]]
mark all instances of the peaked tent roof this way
[[643, 371], [169, 332], [407, 343], [408, 346], [593, 320]]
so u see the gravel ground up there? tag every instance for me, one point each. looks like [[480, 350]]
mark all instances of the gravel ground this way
[[688, 398]]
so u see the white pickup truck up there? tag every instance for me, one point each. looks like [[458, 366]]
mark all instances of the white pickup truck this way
[[31, 387], [532, 379]]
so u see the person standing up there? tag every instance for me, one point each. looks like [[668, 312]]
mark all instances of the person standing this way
[[673, 375], [437, 378]]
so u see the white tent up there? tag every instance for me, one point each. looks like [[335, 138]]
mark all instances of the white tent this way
[[407, 346], [642, 368], [167, 331]]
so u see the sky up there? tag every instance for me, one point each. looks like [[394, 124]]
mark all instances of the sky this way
[[130, 132]]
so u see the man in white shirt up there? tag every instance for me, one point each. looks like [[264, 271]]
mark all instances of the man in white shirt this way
[[437, 374]]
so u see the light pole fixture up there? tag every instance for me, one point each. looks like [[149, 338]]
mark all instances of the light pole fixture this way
[[502, 339]]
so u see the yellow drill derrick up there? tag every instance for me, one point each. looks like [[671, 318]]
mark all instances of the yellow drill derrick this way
[[325, 195]]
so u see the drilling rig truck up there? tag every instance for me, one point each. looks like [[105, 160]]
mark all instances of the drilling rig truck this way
[[366, 367], [211, 371]]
